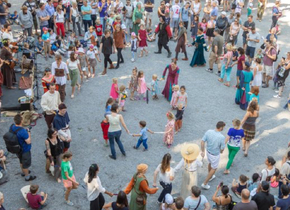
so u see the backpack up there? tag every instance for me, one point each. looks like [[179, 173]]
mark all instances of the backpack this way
[[11, 141]]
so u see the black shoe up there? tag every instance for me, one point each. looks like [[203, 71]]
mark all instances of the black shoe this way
[[144, 150], [116, 67], [169, 55], [157, 52], [22, 174], [30, 178], [134, 147], [124, 154], [111, 156], [265, 86], [122, 62]]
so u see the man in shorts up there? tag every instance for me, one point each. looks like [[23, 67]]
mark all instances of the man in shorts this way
[[24, 141], [215, 146], [253, 38], [246, 28], [268, 60], [149, 5]]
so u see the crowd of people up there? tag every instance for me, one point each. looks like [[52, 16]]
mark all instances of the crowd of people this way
[[109, 27]]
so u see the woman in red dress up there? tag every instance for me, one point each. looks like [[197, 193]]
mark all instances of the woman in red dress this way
[[142, 36]]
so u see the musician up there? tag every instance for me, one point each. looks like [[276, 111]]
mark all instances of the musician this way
[[7, 69], [91, 36], [7, 33], [60, 71]]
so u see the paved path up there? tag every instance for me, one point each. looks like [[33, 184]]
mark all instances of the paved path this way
[[208, 102]]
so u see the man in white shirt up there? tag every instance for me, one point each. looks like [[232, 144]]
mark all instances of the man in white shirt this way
[[7, 33], [60, 71], [49, 104], [175, 9]]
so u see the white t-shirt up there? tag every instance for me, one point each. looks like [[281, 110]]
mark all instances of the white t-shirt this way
[[166, 176], [181, 98], [175, 10], [91, 54], [59, 18], [265, 173], [73, 64], [94, 188], [94, 10]]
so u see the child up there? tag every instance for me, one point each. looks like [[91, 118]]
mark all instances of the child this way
[[46, 46], [83, 63], [142, 37], [182, 97], [39, 45], [26, 51], [2, 160], [142, 87], [233, 140], [173, 101], [71, 49], [150, 35], [114, 89], [203, 25], [169, 130], [255, 93], [154, 86], [275, 178], [98, 28], [133, 84], [194, 27], [167, 17], [36, 201], [168, 203], [92, 54], [253, 185], [178, 118], [109, 104], [122, 97], [52, 36], [250, 7], [68, 177], [105, 128], [133, 45], [179, 203], [110, 21], [143, 136], [72, 38], [237, 187], [14, 17]]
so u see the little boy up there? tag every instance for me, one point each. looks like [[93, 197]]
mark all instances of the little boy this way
[[178, 118], [46, 46], [2, 159], [154, 86], [39, 45], [98, 28], [105, 128], [36, 201], [143, 136]]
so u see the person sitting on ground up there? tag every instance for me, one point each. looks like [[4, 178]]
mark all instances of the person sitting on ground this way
[[2, 160], [36, 201], [179, 203], [222, 201], [237, 187], [168, 203], [264, 199]]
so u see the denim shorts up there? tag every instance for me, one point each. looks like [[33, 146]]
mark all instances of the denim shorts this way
[[250, 51]]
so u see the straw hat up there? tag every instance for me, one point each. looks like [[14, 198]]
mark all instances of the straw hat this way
[[142, 167], [190, 151]]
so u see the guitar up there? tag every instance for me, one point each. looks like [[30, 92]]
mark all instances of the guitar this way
[[15, 48]]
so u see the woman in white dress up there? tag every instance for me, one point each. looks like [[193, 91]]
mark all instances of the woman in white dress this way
[[189, 152], [196, 7], [257, 73]]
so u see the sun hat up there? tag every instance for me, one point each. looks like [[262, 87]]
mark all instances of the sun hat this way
[[168, 199], [190, 151], [142, 167], [133, 34], [92, 46]]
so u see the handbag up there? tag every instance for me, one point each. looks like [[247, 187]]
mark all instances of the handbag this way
[[232, 203], [140, 199], [281, 71], [263, 46]]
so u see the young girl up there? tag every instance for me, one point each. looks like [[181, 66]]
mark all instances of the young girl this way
[[72, 38], [154, 86], [92, 54], [255, 93], [173, 101], [182, 97], [114, 89], [109, 104], [68, 177], [237, 187], [45, 38], [275, 178], [169, 130], [209, 30], [105, 128], [227, 65], [203, 25], [233, 140], [122, 97], [142, 87], [83, 63], [133, 45], [142, 37], [133, 84], [194, 27], [98, 28], [168, 203], [178, 118]]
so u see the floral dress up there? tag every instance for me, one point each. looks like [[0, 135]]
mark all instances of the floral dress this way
[[133, 85], [169, 137]]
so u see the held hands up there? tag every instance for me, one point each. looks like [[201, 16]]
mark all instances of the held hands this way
[[110, 194], [202, 154]]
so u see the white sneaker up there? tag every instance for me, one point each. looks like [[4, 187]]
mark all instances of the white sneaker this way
[[212, 178], [132, 60], [277, 96], [276, 91], [205, 186]]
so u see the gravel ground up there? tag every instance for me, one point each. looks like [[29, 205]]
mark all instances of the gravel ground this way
[[208, 102]]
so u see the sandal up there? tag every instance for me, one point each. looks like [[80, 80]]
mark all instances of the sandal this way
[[132, 99], [220, 80], [226, 172], [79, 87], [93, 75], [140, 56], [226, 84]]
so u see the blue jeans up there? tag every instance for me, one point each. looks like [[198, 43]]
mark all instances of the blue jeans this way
[[115, 136], [227, 71], [140, 141], [41, 27], [103, 22], [87, 24], [167, 188]]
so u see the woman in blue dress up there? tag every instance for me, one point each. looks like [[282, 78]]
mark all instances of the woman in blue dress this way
[[198, 56], [244, 87]]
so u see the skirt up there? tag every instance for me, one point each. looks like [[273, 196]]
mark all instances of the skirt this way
[[189, 179], [74, 75], [249, 131], [92, 62], [209, 32]]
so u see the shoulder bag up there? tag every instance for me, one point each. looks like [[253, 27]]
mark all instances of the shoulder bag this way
[[197, 204], [232, 203], [34, 12], [140, 199]]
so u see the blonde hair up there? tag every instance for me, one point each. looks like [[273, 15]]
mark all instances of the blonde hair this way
[[236, 123], [115, 80], [176, 86], [122, 88], [179, 106], [1, 196], [154, 76], [229, 47], [74, 4], [170, 115], [58, 8]]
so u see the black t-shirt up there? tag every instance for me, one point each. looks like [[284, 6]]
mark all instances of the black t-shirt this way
[[115, 207], [107, 45], [149, 9], [246, 206], [248, 25], [264, 200]]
